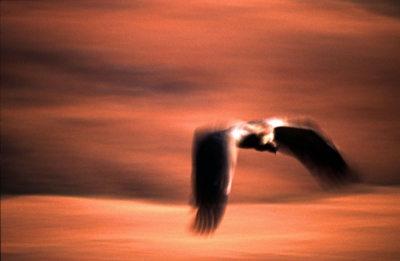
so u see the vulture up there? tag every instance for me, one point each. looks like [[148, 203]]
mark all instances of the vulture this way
[[215, 152]]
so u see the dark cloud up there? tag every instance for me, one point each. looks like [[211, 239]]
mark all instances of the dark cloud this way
[[389, 8], [79, 73], [33, 168], [40, 5]]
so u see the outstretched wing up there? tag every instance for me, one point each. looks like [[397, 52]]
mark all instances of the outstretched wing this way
[[211, 170], [316, 153]]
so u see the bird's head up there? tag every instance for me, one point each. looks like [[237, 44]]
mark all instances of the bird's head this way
[[250, 141], [258, 142]]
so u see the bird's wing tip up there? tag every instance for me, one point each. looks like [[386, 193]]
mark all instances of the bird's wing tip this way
[[207, 219], [329, 180]]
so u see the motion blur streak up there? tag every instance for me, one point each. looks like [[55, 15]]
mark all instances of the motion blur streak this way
[[101, 98]]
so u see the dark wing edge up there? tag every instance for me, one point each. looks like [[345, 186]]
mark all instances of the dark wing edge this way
[[316, 153], [210, 178]]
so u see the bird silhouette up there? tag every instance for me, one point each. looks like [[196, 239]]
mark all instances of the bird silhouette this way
[[215, 152]]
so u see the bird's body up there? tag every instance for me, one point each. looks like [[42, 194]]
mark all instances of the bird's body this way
[[215, 152]]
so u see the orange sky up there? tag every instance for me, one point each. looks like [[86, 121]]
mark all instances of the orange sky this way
[[352, 227], [102, 98]]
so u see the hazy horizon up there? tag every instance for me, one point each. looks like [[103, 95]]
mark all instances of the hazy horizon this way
[[349, 227]]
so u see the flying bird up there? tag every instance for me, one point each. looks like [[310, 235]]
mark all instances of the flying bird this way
[[215, 152]]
